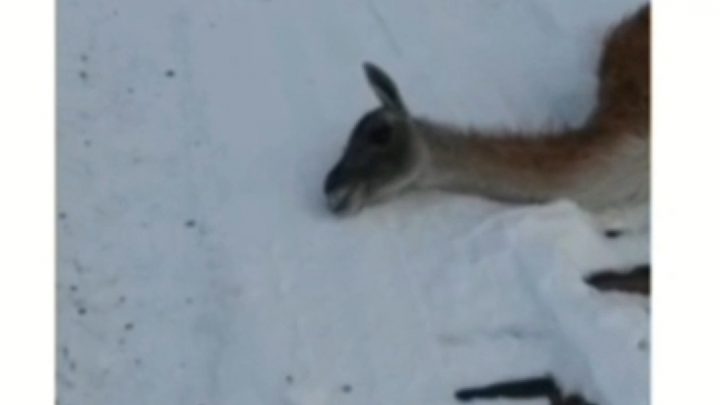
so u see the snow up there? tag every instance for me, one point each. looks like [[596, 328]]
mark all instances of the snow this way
[[197, 261]]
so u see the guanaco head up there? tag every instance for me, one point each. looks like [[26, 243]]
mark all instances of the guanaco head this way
[[382, 156]]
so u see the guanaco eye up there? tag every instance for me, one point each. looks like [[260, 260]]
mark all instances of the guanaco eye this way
[[380, 136]]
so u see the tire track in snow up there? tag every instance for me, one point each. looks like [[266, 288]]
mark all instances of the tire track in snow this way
[[382, 22]]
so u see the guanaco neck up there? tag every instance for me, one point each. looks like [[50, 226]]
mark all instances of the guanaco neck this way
[[603, 163], [508, 166]]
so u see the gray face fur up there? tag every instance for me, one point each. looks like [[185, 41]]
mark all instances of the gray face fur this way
[[381, 156]]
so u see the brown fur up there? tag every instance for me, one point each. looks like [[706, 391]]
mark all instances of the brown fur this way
[[624, 95]]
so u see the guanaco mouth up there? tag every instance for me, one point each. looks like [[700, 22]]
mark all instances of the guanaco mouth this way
[[345, 201]]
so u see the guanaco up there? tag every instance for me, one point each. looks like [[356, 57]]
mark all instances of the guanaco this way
[[602, 165]]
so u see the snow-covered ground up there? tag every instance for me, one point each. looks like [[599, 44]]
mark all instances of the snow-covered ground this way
[[198, 264]]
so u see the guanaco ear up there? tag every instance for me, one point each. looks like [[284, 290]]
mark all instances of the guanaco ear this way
[[384, 88]]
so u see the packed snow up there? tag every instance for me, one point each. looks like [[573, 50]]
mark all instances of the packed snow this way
[[198, 264]]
